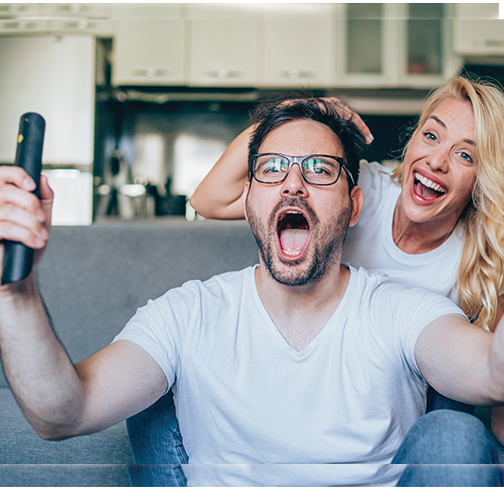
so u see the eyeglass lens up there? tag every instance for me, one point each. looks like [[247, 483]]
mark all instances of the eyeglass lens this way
[[316, 170]]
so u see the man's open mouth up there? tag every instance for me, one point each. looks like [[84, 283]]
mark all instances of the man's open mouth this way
[[293, 232], [426, 188]]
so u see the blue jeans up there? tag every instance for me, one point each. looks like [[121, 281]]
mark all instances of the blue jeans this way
[[156, 445], [458, 442], [439, 437]]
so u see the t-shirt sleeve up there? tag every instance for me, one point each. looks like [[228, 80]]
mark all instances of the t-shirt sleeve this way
[[410, 310], [159, 328]]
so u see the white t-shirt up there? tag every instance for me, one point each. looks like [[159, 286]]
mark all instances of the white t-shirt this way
[[370, 244], [244, 396]]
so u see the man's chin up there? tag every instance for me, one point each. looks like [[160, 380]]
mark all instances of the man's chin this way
[[293, 273]]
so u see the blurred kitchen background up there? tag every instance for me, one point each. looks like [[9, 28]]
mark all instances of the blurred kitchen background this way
[[141, 99]]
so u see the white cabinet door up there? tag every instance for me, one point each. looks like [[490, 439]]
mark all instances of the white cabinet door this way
[[483, 37], [298, 46], [223, 52], [23, 25], [148, 52], [53, 76]]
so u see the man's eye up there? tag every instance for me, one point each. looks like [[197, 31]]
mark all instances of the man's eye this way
[[275, 165], [318, 167]]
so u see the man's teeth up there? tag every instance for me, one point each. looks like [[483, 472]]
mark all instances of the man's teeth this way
[[428, 183]]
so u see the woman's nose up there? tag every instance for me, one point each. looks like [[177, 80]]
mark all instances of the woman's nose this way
[[439, 160]]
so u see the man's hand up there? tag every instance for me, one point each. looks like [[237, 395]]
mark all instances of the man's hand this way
[[24, 218]]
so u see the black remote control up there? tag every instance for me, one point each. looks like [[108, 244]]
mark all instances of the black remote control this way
[[18, 258]]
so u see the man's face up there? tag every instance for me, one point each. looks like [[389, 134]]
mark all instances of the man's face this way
[[300, 228]]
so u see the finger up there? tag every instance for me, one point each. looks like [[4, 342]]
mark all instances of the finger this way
[[352, 116], [13, 195], [19, 226], [16, 176]]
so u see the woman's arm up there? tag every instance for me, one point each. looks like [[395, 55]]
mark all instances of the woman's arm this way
[[219, 194]]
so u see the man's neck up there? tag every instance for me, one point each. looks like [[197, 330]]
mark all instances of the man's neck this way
[[300, 313]]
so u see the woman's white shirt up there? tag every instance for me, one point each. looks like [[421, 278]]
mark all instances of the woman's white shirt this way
[[370, 244]]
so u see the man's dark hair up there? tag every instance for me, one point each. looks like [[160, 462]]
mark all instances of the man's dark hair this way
[[270, 115]]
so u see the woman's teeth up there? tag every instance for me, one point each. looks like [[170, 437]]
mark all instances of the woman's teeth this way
[[428, 183]]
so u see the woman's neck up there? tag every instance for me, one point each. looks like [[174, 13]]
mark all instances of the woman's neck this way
[[418, 237]]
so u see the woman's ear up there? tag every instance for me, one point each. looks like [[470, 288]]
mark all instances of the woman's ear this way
[[357, 202]]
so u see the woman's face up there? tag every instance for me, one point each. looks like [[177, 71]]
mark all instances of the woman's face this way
[[439, 165]]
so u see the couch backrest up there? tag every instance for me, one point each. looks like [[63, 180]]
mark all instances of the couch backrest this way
[[94, 278]]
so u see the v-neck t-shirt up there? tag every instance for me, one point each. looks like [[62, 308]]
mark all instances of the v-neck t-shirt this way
[[243, 396]]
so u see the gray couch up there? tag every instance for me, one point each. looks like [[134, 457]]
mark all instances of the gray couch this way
[[92, 280]]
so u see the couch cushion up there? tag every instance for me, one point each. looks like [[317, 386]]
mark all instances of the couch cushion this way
[[94, 278], [19, 444]]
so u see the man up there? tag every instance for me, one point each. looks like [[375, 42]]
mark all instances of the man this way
[[282, 372]]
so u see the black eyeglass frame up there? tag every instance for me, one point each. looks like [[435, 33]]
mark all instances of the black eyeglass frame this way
[[299, 161]]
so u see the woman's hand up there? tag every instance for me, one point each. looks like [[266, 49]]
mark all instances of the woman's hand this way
[[347, 114]]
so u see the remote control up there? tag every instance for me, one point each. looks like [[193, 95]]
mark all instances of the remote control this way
[[18, 258]]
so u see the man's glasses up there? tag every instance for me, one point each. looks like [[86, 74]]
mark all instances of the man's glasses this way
[[316, 169]]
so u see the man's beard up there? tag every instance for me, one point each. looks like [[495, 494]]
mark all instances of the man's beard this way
[[325, 249]]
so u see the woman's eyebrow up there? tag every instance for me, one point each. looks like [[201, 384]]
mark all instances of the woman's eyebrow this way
[[436, 118], [443, 125]]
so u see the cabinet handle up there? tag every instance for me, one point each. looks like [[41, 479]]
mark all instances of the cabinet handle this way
[[151, 72], [224, 74], [493, 43], [296, 74]]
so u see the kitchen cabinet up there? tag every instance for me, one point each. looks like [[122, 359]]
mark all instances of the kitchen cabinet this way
[[22, 25], [223, 52], [297, 46], [67, 10], [390, 45], [148, 52], [19, 9], [53, 76], [97, 27], [478, 31], [425, 52], [364, 37]]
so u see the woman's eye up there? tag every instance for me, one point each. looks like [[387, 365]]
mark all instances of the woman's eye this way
[[430, 136], [466, 157]]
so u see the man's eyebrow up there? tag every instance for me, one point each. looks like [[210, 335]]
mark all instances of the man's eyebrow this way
[[443, 125]]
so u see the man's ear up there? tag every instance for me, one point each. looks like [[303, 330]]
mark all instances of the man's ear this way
[[357, 202], [244, 195]]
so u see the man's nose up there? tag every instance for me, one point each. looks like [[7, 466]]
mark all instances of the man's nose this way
[[294, 184]]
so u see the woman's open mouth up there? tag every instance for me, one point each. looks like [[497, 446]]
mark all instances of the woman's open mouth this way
[[427, 189], [293, 234]]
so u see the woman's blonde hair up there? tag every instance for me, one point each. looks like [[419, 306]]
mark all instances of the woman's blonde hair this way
[[481, 270]]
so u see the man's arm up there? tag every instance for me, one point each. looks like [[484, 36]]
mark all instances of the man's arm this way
[[58, 398], [462, 361]]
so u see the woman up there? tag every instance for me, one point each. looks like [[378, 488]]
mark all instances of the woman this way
[[437, 220]]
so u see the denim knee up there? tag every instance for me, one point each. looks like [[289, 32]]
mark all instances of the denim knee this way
[[446, 437]]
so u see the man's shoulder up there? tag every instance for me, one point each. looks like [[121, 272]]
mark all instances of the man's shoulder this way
[[384, 285], [220, 286], [381, 292]]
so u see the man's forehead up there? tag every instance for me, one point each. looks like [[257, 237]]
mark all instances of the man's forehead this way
[[301, 137]]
